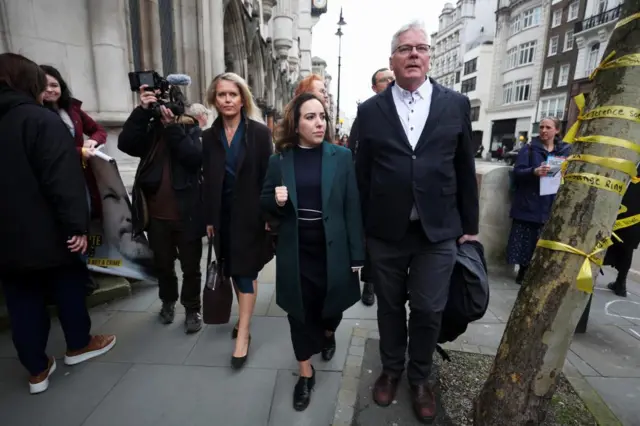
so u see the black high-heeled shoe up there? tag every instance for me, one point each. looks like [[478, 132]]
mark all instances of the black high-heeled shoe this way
[[302, 391], [239, 362], [329, 349]]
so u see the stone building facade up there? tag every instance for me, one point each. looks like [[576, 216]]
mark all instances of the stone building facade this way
[[519, 51], [559, 64], [96, 43], [458, 27]]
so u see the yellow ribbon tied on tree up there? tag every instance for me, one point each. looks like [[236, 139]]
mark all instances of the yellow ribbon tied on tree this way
[[631, 60], [585, 277]]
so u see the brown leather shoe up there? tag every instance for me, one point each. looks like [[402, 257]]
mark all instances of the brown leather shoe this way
[[384, 390], [424, 403]]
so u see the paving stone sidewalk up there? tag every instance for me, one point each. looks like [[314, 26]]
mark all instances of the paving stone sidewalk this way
[[158, 376]]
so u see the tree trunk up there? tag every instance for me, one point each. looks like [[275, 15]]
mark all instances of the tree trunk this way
[[539, 331]]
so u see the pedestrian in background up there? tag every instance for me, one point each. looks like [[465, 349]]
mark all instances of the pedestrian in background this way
[[44, 221], [311, 187], [380, 80], [530, 210]]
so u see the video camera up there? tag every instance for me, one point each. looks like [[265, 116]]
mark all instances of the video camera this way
[[170, 96]]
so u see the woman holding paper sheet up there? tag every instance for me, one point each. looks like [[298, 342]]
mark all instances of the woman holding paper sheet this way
[[529, 209], [57, 97]]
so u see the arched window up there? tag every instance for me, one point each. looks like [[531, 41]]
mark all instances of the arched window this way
[[593, 58]]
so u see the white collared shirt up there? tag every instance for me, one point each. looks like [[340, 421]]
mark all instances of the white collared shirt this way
[[413, 109]]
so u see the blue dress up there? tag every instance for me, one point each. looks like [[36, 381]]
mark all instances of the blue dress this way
[[233, 151]]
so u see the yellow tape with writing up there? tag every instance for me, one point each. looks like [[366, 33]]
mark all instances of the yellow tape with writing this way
[[624, 166], [609, 111], [585, 277], [597, 181]]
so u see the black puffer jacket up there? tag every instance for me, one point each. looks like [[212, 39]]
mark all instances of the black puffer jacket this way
[[139, 138], [44, 199]]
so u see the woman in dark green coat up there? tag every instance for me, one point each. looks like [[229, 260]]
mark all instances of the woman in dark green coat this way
[[310, 189]]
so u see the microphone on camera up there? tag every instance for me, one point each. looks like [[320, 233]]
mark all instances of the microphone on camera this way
[[178, 79]]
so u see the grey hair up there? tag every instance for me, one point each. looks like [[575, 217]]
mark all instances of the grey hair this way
[[411, 26], [196, 110]]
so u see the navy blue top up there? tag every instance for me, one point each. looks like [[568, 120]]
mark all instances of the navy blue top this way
[[527, 203], [232, 151], [308, 171]]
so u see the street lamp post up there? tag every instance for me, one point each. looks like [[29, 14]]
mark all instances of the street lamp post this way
[[339, 34]]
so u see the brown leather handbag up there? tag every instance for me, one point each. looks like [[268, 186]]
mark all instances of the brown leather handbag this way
[[217, 296]]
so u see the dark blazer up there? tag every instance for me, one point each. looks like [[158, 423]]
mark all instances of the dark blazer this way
[[139, 138], [527, 203], [342, 228], [44, 199], [439, 176], [251, 246]]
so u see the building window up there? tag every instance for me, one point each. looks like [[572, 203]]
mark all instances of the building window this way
[[526, 52], [553, 45], [563, 76], [568, 40], [553, 107], [531, 17], [475, 113], [516, 24], [470, 66], [512, 58], [468, 85], [557, 18], [601, 7], [592, 60], [573, 11], [507, 93], [522, 91], [548, 78]]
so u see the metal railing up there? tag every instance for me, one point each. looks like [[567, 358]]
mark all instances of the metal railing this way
[[596, 20]]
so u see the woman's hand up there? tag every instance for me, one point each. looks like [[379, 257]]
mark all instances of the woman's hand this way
[[77, 244], [543, 170], [88, 153], [90, 143], [210, 232], [282, 195]]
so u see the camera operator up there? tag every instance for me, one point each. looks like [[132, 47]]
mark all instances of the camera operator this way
[[167, 200]]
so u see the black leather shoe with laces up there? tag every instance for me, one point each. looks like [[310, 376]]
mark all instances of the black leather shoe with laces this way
[[302, 391]]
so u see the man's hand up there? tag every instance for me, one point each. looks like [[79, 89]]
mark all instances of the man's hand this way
[[466, 238], [146, 98], [77, 244], [167, 115]]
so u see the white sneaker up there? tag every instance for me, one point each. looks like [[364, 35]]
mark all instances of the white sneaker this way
[[40, 383]]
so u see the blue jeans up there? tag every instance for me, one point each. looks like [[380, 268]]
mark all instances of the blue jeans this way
[[26, 294]]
